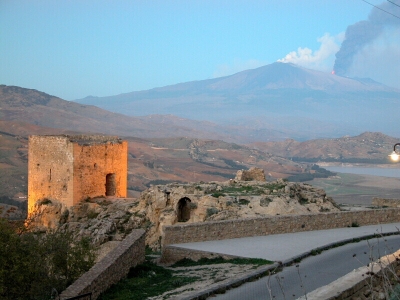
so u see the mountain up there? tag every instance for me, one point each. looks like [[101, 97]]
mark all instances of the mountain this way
[[298, 102], [38, 108], [165, 148], [34, 107]]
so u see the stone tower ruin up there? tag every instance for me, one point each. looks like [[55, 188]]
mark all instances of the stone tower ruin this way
[[69, 169]]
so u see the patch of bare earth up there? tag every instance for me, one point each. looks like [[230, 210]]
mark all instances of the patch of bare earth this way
[[206, 275]]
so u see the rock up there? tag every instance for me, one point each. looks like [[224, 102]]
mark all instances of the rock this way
[[107, 220], [253, 174], [264, 202]]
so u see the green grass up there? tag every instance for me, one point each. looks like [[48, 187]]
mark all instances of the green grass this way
[[149, 280], [250, 190], [217, 194], [219, 260], [144, 281]]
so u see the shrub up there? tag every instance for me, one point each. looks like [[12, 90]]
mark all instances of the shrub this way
[[32, 264], [265, 202], [192, 205], [91, 214], [217, 194], [212, 211], [243, 201]]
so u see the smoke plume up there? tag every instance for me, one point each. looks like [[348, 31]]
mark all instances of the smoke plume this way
[[361, 34], [321, 59]]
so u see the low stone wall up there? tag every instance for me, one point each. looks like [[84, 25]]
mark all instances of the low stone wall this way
[[229, 229], [386, 202], [114, 266], [172, 254], [359, 284]]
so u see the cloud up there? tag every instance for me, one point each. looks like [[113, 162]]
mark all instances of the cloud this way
[[378, 60], [237, 66], [364, 33], [321, 59]]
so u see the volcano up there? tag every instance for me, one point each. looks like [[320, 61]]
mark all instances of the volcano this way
[[280, 96]]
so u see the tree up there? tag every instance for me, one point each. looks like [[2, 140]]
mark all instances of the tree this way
[[32, 264]]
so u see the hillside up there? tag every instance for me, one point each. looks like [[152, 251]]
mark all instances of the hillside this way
[[282, 98], [41, 109], [151, 161], [368, 147], [38, 108], [161, 150]]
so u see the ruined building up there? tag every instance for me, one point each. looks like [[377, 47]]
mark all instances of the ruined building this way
[[69, 169]]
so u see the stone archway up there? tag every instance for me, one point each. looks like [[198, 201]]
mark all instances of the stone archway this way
[[111, 185], [183, 210]]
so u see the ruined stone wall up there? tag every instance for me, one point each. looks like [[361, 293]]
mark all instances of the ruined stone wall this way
[[386, 202], [50, 169], [253, 174], [229, 229], [92, 164], [112, 268]]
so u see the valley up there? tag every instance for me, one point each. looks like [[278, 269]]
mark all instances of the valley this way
[[358, 190], [167, 148]]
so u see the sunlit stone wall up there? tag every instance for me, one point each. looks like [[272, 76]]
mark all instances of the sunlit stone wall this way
[[69, 169]]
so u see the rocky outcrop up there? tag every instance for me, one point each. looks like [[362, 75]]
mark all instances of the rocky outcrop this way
[[201, 202], [106, 219], [253, 174], [102, 219]]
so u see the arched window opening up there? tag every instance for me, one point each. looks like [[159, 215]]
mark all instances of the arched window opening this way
[[184, 210], [111, 185]]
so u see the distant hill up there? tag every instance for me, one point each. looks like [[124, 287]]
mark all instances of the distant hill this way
[[368, 147], [41, 109], [151, 161], [38, 108], [161, 148], [288, 100]]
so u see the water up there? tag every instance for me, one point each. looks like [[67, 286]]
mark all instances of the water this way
[[383, 172]]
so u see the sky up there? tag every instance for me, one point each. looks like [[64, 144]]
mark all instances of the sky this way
[[76, 48]]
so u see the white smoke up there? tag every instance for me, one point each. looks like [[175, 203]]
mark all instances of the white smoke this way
[[321, 59]]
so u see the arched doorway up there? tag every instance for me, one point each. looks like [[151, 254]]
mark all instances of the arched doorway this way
[[111, 185], [183, 210]]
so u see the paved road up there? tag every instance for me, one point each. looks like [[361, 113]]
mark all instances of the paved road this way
[[315, 271], [281, 247]]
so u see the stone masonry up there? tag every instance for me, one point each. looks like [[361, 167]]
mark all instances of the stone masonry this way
[[230, 229], [69, 169], [111, 269], [253, 174], [383, 202]]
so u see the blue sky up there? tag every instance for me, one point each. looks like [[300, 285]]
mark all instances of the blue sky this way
[[72, 49]]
